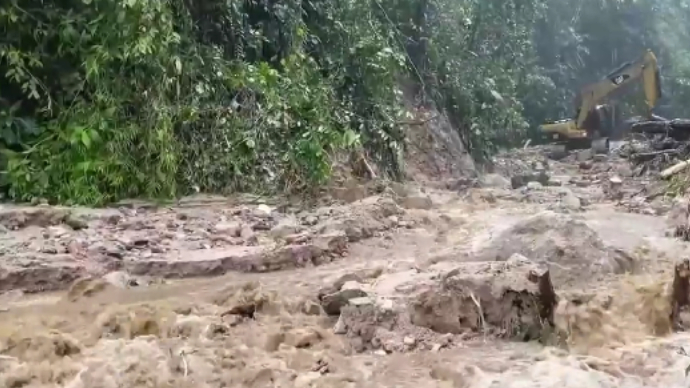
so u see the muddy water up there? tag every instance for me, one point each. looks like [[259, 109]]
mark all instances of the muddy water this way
[[180, 337]]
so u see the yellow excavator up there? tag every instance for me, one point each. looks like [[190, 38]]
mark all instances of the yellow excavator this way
[[594, 122]]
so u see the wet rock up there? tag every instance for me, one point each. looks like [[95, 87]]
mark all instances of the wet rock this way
[[400, 189], [625, 171], [249, 236], [18, 218], [76, 222], [231, 229], [310, 220], [678, 215], [534, 185], [284, 228], [333, 303], [586, 165], [353, 231], [369, 324], [87, 287], [350, 194], [121, 279], [332, 242], [518, 181], [303, 337], [423, 202], [569, 246], [247, 300], [570, 201], [514, 298], [338, 284], [613, 188], [495, 181], [263, 210], [52, 277], [584, 155]]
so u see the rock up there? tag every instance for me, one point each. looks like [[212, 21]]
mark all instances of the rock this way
[[584, 155], [570, 201], [352, 285], [339, 283], [350, 194], [75, 222], [624, 170], [340, 327], [417, 202], [333, 303], [495, 181], [586, 165], [248, 235], [332, 242], [569, 246], [263, 210], [310, 220], [369, 324], [353, 232], [54, 276], [613, 188], [534, 185], [399, 189], [121, 279], [303, 337], [232, 229], [518, 181], [678, 214], [513, 298], [615, 180], [360, 301], [87, 287], [285, 227]]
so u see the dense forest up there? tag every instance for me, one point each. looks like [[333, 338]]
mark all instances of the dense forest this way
[[105, 99]]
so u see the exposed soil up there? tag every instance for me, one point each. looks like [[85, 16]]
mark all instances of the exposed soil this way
[[544, 273]]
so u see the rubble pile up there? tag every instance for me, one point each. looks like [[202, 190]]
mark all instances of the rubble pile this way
[[654, 154]]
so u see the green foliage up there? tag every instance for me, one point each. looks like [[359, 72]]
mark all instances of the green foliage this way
[[156, 98], [105, 99]]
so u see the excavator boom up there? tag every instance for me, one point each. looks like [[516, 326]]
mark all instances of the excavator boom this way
[[645, 68], [587, 120]]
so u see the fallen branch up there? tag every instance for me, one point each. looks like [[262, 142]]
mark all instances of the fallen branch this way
[[647, 156], [675, 169]]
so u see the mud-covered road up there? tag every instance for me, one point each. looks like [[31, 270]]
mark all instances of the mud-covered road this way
[[558, 282]]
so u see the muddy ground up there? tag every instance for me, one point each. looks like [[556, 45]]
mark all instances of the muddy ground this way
[[511, 280]]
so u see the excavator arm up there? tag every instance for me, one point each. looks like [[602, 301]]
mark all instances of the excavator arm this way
[[582, 127], [645, 68]]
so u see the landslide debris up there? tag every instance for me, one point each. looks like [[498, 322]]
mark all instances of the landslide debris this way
[[572, 250]]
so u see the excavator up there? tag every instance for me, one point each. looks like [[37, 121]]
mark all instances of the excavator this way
[[594, 122]]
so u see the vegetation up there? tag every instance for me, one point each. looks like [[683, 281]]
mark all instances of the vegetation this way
[[105, 99]]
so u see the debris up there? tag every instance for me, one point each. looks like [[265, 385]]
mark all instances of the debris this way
[[569, 246], [333, 303], [513, 298], [676, 168]]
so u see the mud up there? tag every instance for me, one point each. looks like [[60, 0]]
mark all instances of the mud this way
[[555, 283]]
